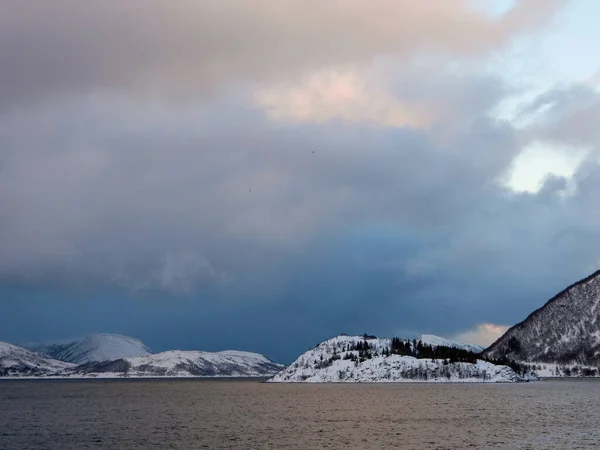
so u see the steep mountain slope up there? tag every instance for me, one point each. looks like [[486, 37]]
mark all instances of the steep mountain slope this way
[[565, 330], [17, 361], [92, 348], [435, 341], [330, 362], [178, 363]]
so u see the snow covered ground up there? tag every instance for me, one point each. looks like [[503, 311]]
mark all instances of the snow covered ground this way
[[320, 365]]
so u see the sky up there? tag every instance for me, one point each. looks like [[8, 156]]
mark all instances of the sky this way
[[264, 174]]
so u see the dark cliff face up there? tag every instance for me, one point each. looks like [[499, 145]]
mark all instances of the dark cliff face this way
[[565, 330]]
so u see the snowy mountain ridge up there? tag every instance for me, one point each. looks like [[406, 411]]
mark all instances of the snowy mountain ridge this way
[[336, 360]]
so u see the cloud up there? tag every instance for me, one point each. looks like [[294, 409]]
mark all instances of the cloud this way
[[532, 167], [484, 334], [345, 95], [178, 272], [107, 186], [186, 48], [387, 93], [332, 166], [594, 81], [567, 117], [559, 138]]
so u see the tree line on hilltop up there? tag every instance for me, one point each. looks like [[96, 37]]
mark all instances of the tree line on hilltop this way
[[360, 351]]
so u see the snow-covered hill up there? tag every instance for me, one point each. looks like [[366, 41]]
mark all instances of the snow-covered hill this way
[[17, 361], [92, 348], [329, 362], [564, 332], [436, 341], [177, 363]]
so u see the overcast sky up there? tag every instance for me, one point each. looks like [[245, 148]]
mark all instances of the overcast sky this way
[[265, 174]]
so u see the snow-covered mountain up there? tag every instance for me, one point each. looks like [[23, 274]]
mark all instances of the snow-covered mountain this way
[[17, 361], [177, 363], [436, 341], [330, 362], [565, 331], [110, 355], [92, 348]]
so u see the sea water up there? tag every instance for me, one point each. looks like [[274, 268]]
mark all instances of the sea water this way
[[238, 414]]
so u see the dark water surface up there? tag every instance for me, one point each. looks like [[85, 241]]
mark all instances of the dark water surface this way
[[250, 415]]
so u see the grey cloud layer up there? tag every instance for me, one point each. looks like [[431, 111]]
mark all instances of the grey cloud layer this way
[[102, 187], [173, 198], [183, 47]]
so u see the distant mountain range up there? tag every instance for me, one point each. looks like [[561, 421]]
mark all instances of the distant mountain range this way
[[112, 356], [560, 338]]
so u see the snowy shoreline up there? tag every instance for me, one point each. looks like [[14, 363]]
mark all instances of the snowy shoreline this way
[[118, 376]]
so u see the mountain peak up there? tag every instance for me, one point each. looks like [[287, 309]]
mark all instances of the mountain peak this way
[[92, 348]]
